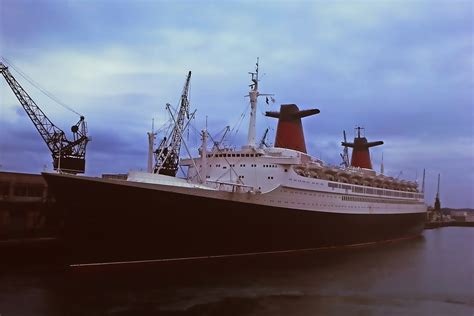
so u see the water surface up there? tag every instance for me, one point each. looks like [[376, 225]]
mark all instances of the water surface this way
[[429, 275]]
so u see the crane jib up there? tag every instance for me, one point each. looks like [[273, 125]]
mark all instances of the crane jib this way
[[167, 154], [68, 156]]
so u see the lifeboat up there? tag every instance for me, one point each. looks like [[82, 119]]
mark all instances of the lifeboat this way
[[356, 178], [330, 174], [344, 176], [315, 173]]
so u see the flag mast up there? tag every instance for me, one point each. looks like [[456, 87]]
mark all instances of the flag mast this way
[[253, 95]]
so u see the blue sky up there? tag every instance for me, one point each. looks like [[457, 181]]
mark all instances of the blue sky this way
[[401, 69]]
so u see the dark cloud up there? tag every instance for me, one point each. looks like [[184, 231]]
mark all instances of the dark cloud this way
[[401, 70]]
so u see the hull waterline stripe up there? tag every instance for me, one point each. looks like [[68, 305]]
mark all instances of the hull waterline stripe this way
[[117, 263]]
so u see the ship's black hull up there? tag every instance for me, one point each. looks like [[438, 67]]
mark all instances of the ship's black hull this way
[[107, 222]]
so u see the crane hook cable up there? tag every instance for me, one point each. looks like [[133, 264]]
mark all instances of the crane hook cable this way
[[37, 86]]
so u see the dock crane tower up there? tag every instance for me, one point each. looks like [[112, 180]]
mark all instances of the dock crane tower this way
[[167, 154], [69, 156]]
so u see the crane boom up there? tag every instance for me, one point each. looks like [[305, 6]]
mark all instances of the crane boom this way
[[263, 141], [345, 154], [167, 154], [68, 156]]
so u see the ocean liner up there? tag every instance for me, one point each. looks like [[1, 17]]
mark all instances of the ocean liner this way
[[251, 200]]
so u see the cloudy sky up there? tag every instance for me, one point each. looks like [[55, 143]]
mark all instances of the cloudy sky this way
[[401, 69]]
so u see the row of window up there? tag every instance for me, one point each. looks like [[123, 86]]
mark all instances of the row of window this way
[[362, 199], [233, 155], [242, 166], [345, 198], [320, 204], [304, 192], [340, 186], [375, 191], [342, 179]]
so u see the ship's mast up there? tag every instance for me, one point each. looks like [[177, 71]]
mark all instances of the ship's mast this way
[[253, 95], [203, 176]]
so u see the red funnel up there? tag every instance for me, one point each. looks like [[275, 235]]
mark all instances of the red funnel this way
[[360, 151], [289, 130]]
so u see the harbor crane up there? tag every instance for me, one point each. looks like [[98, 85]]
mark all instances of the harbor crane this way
[[345, 153], [167, 154], [263, 141], [69, 156]]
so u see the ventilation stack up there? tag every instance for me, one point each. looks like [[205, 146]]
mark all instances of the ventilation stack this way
[[360, 151], [289, 130]]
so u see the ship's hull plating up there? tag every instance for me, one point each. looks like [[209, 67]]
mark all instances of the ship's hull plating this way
[[108, 222]]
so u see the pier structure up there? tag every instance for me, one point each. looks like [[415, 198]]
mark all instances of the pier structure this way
[[23, 202]]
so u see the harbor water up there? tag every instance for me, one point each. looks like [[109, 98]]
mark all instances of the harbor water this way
[[429, 275]]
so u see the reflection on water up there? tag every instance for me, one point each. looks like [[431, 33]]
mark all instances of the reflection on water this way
[[430, 275]]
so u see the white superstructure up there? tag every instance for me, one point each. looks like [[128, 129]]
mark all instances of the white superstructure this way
[[287, 178]]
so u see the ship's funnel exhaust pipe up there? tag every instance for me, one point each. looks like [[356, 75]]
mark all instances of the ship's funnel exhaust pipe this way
[[360, 150], [289, 130]]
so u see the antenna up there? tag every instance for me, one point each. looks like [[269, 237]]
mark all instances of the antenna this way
[[437, 204], [423, 183], [381, 166], [439, 180]]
